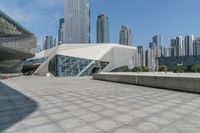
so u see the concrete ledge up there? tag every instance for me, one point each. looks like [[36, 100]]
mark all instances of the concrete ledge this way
[[170, 81], [10, 75]]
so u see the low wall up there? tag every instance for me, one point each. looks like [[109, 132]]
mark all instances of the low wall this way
[[10, 75], [189, 84]]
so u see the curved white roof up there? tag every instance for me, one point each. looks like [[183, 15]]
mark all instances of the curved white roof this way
[[117, 55]]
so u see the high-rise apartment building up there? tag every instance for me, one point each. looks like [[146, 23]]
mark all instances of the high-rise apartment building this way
[[189, 41], [77, 21], [141, 56], [49, 42], [167, 52], [60, 31], [177, 46], [157, 41], [156, 46], [125, 36], [150, 59], [103, 29], [197, 47]]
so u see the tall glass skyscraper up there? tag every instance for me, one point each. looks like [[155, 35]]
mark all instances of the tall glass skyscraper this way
[[77, 21], [189, 40], [103, 29], [157, 41], [49, 42], [125, 36], [60, 31], [197, 47]]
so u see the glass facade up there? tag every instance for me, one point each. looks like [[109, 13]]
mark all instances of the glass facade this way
[[31, 65], [63, 66], [125, 36], [16, 45], [103, 29], [77, 21]]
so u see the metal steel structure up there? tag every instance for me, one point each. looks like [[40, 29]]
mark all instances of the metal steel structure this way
[[62, 66], [16, 45]]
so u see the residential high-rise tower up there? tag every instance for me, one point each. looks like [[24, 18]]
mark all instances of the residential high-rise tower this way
[[189, 40], [197, 47], [103, 29], [157, 41], [49, 42], [125, 36], [177, 46]]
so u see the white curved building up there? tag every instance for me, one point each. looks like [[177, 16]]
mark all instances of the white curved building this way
[[82, 59]]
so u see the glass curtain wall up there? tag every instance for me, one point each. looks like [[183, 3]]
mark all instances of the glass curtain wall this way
[[63, 66]]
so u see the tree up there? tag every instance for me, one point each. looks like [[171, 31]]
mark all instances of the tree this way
[[136, 69], [195, 68], [162, 68], [179, 69], [145, 69]]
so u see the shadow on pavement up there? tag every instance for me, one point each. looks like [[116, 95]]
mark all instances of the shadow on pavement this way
[[14, 106]]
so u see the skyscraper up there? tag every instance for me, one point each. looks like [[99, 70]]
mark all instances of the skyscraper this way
[[125, 36], [157, 41], [103, 29], [49, 42], [177, 46], [167, 52], [141, 56], [77, 21], [189, 40], [197, 47], [60, 31]]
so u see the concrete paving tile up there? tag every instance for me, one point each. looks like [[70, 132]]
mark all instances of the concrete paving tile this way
[[60, 116], [14, 128], [61, 105], [28, 123], [147, 127], [91, 117], [70, 123], [108, 113], [124, 118], [96, 108], [78, 112], [126, 130], [50, 128], [161, 121], [139, 114], [122, 108], [53, 110], [87, 128], [106, 124]]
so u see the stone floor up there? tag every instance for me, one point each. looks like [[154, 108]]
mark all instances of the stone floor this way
[[83, 105]]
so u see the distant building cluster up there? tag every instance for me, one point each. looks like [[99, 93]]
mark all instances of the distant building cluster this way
[[74, 27], [49, 42], [147, 57], [182, 51]]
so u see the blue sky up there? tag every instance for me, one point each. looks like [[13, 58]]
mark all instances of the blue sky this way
[[145, 17]]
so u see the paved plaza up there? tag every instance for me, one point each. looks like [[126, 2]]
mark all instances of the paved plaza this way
[[83, 105]]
